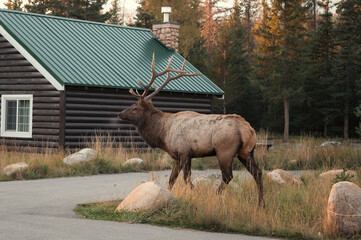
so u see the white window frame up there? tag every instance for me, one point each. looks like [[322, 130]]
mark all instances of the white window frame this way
[[16, 134]]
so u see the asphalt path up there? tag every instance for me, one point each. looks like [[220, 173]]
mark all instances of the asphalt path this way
[[43, 209]]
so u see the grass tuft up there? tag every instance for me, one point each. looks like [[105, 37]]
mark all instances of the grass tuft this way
[[292, 212]]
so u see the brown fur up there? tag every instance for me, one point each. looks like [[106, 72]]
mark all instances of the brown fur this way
[[186, 135]]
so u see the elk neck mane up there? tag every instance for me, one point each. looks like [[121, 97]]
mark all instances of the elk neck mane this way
[[152, 128]]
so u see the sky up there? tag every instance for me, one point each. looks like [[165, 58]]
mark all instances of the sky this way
[[131, 5]]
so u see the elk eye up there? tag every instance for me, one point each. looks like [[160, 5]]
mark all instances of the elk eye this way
[[134, 109]]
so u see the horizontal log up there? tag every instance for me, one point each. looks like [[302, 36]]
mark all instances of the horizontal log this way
[[15, 81], [165, 103], [8, 50], [21, 75], [24, 143], [41, 112], [45, 131], [18, 69], [15, 63], [45, 118], [5, 44], [50, 125], [125, 95], [46, 99], [46, 138], [35, 87], [110, 125], [94, 107], [35, 93], [14, 56], [51, 106], [91, 113], [86, 119]]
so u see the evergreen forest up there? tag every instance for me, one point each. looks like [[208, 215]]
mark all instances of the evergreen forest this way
[[287, 66]]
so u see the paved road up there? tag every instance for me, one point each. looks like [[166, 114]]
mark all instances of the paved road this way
[[43, 209]]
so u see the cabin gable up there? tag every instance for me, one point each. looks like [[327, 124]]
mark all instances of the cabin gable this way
[[18, 77]]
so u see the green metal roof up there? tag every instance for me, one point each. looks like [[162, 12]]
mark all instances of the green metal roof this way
[[84, 53]]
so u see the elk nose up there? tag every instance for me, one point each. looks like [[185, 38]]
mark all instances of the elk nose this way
[[120, 115]]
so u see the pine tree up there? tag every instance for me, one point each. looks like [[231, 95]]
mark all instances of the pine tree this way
[[115, 17], [90, 10], [281, 43], [348, 61], [319, 86], [14, 5]]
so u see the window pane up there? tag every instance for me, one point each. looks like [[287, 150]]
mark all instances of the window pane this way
[[10, 116], [23, 115]]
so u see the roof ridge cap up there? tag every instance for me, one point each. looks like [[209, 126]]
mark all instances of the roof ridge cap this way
[[73, 20]]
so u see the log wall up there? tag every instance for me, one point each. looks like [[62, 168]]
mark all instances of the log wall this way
[[93, 112], [18, 76]]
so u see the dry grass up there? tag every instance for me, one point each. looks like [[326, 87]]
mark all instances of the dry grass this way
[[302, 153], [292, 212], [49, 163]]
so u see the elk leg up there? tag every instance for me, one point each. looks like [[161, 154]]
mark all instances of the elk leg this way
[[225, 164], [187, 164], [174, 175], [253, 169]]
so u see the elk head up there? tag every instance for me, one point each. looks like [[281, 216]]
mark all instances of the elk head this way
[[136, 112]]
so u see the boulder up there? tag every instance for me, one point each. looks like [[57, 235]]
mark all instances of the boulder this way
[[135, 162], [84, 155], [344, 209], [329, 175], [330, 144], [283, 177], [15, 168], [147, 196], [207, 179]]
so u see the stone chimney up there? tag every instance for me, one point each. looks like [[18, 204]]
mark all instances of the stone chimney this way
[[167, 32]]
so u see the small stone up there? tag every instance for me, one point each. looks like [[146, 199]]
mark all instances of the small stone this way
[[283, 177], [84, 155], [344, 209], [135, 162], [330, 144], [207, 179], [332, 174], [15, 168], [146, 196]]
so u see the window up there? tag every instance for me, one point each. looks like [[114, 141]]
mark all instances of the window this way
[[16, 115]]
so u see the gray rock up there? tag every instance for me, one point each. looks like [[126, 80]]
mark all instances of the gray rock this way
[[146, 196], [330, 144], [329, 175], [135, 162], [15, 168], [283, 177], [344, 209], [84, 155]]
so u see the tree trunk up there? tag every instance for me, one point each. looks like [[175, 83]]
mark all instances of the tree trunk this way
[[287, 119], [324, 130], [345, 123]]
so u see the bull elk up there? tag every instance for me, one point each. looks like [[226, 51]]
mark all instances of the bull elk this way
[[186, 135]]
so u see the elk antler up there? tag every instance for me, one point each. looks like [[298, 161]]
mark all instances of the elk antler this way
[[168, 70]]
